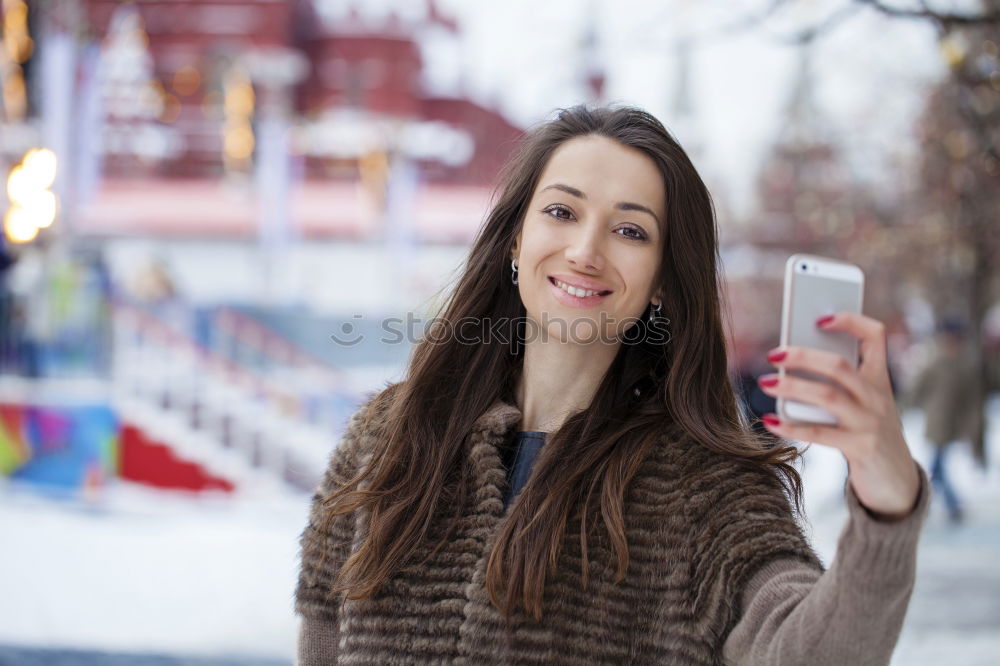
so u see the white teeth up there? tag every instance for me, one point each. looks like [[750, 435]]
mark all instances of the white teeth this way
[[579, 293]]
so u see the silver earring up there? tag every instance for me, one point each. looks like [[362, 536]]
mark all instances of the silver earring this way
[[653, 312], [513, 271]]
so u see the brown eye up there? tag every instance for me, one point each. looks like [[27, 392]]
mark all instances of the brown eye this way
[[552, 210], [637, 233]]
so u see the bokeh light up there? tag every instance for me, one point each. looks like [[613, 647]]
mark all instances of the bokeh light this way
[[40, 166], [19, 226]]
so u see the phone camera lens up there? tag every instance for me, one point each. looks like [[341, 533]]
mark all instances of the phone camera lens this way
[[804, 266]]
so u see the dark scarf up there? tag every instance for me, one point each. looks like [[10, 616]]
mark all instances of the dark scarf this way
[[698, 525]]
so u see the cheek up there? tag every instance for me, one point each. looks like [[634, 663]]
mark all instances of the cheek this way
[[638, 272], [535, 248]]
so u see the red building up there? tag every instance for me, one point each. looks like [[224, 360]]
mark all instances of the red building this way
[[358, 92]]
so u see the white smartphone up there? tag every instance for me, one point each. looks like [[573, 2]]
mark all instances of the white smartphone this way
[[814, 287]]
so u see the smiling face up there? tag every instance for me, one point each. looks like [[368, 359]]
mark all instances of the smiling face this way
[[592, 239]]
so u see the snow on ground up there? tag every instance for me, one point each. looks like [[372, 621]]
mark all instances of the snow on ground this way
[[954, 615], [149, 570], [141, 570]]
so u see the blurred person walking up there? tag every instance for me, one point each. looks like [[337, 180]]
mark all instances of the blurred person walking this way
[[946, 390]]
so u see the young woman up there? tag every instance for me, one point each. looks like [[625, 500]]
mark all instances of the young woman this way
[[653, 526]]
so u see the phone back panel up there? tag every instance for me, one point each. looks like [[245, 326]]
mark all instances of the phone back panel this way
[[814, 297], [807, 298]]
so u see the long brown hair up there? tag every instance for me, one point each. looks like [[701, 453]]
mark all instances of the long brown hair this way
[[678, 381]]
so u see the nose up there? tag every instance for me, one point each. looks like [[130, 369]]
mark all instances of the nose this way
[[584, 251]]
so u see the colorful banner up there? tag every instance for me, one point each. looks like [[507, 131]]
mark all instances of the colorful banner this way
[[14, 449], [59, 446]]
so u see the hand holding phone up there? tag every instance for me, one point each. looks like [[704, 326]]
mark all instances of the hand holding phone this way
[[862, 419]]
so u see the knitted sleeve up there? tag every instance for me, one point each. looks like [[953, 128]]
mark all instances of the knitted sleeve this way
[[850, 614], [318, 639]]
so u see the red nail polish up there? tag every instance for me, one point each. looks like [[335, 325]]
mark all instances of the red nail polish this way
[[771, 420], [766, 380], [776, 356], [823, 321]]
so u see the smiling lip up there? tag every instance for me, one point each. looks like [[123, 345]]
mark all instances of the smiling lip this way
[[569, 300], [579, 282]]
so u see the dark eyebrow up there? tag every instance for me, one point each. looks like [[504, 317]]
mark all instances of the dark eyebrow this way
[[621, 205]]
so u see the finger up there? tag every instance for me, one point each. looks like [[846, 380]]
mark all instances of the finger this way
[[826, 435], [830, 397], [871, 341], [826, 364]]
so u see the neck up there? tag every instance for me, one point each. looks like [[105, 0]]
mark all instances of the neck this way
[[559, 379]]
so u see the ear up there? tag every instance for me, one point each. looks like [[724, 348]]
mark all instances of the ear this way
[[515, 251]]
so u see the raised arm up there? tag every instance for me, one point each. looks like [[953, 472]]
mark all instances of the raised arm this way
[[850, 614]]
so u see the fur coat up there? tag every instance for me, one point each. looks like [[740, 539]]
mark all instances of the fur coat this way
[[699, 526]]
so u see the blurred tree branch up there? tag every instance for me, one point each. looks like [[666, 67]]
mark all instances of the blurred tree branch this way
[[807, 35], [801, 36], [944, 20], [755, 19]]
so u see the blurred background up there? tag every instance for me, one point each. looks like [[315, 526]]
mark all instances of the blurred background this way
[[212, 208]]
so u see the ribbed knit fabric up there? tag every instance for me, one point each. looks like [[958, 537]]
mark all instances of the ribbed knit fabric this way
[[715, 554]]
